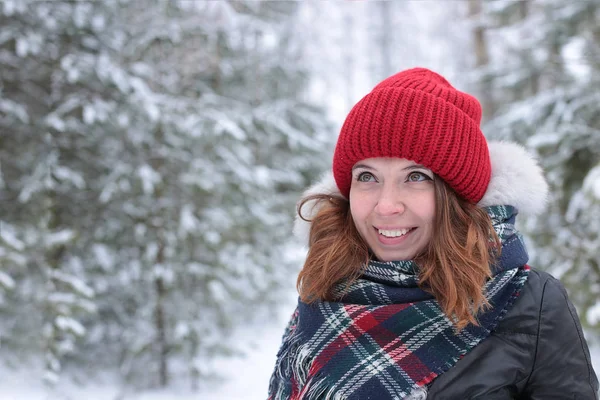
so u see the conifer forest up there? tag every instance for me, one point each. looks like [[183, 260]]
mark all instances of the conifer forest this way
[[152, 153]]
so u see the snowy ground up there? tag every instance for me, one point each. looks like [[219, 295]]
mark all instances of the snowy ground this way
[[252, 380], [248, 376]]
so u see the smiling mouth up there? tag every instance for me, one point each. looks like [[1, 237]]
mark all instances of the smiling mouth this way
[[395, 233]]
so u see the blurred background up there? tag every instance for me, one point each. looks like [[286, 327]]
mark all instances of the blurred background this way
[[152, 153]]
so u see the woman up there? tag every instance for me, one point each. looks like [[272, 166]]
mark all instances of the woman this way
[[415, 284]]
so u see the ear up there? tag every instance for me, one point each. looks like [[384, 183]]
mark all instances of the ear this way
[[517, 179], [325, 185]]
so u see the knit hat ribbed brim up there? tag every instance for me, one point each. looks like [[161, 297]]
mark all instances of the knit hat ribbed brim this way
[[417, 115]]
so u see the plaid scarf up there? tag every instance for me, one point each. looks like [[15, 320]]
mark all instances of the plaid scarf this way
[[386, 338]]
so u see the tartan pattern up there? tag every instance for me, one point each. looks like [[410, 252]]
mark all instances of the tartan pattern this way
[[386, 337]]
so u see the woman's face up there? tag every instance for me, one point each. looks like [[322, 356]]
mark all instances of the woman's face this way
[[392, 201]]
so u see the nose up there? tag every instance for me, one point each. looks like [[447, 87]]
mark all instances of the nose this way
[[390, 201]]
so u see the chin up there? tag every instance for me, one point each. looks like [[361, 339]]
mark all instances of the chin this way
[[393, 257]]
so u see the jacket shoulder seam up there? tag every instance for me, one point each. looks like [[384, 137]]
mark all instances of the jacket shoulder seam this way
[[537, 342]]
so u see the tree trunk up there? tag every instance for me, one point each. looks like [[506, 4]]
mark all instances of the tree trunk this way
[[217, 79], [534, 79], [482, 58], [349, 56], [159, 319], [386, 42], [53, 259], [479, 40]]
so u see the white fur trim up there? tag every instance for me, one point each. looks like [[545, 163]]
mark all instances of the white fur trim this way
[[326, 185], [517, 179]]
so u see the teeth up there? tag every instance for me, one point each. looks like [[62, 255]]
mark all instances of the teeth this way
[[397, 233]]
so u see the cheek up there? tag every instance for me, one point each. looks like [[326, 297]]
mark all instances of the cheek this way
[[425, 208], [359, 206]]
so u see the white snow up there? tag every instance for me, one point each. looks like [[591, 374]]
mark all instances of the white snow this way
[[591, 182], [69, 299], [149, 178], [218, 291], [8, 235], [226, 125], [13, 6], [67, 174], [103, 256], [30, 44], [59, 238], [71, 325], [244, 378], [10, 107], [77, 284], [187, 220], [6, 280], [593, 314]]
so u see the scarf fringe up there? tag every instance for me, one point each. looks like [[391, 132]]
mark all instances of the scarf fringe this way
[[291, 373], [320, 389], [313, 387]]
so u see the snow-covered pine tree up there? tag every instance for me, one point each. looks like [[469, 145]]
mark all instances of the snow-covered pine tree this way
[[46, 156], [154, 151], [259, 143], [13, 261], [543, 72]]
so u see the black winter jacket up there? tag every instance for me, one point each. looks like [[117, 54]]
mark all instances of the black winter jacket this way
[[537, 352]]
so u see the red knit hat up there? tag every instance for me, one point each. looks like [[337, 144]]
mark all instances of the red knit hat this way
[[416, 114]]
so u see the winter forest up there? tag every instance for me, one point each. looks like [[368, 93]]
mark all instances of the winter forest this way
[[152, 153]]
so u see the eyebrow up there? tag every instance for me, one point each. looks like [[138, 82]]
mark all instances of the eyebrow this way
[[416, 166], [362, 166], [410, 167]]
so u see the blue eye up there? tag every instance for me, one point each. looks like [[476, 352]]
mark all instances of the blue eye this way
[[417, 177], [365, 177]]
